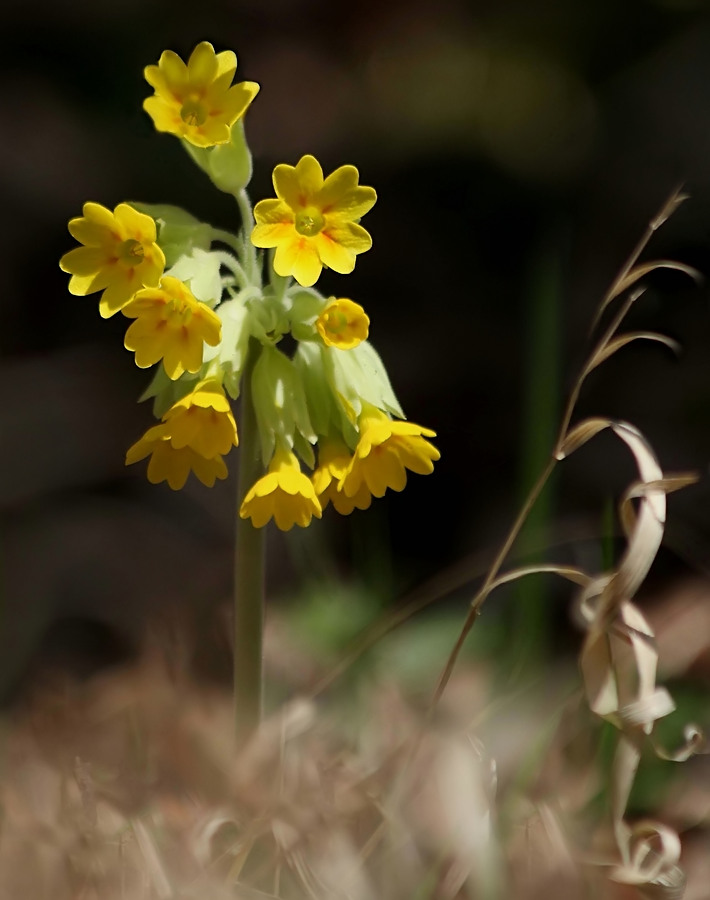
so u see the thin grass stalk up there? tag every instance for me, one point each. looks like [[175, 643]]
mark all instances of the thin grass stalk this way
[[249, 563]]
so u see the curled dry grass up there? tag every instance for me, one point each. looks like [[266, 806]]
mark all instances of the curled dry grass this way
[[129, 787]]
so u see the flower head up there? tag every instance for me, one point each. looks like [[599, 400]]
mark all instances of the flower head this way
[[313, 221], [193, 436], [284, 494], [333, 461], [385, 451], [343, 324], [119, 257], [197, 101], [203, 421], [170, 325], [167, 463]]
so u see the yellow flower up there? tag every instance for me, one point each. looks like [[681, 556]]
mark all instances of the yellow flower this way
[[170, 325], [193, 436], [203, 421], [172, 465], [197, 101], [385, 451], [313, 223], [343, 324], [333, 461], [284, 494], [119, 257]]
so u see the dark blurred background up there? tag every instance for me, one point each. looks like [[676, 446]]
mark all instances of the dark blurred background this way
[[519, 149]]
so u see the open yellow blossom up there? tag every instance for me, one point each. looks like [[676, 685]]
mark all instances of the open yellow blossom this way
[[119, 257], [333, 461], [167, 463], [284, 494], [343, 324], [385, 451], [197, 101], [170, 325], [314, 221]]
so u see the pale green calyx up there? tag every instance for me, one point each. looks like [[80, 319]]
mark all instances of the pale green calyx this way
[[358, 376], [280, 404], [306, 305], [228, 165], [178, 231], [231, 353], [201, 271]]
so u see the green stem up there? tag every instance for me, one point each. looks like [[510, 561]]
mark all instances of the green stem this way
[[245, 210], [248, 575], [232, 263], [226, 237], [250, 260]]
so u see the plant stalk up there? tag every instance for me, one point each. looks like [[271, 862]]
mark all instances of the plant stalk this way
[[249, 563]]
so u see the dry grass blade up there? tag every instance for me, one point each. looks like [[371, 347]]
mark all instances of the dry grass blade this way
[[638, 272], [668, 484], [648, 529], [669, 207], [693, 743], [571, 573], [154, 866], [579, 435], [619, 659], [667, 210], [648, 533], [653, 852], [623, 339]]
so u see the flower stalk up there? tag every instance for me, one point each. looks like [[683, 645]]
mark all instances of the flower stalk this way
[[249, 568]]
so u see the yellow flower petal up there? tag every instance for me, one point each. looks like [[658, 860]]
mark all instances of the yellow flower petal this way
[[333, 461], [341, 194], [84, 261], [202, 66], [298, 257]]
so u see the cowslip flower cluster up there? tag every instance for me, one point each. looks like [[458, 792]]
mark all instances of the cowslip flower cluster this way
[[204, 313]]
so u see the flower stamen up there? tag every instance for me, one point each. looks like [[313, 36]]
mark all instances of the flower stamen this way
[[309, 222], [131, 252], [193, 113]]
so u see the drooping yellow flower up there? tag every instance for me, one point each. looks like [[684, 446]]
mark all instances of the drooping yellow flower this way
[[170, 325], [343, 324], [197, 101], [193, 436], [313, 222], [203, 421], [386, 449], [173, 465], [284, 494], [119, 257], [333, 461]]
